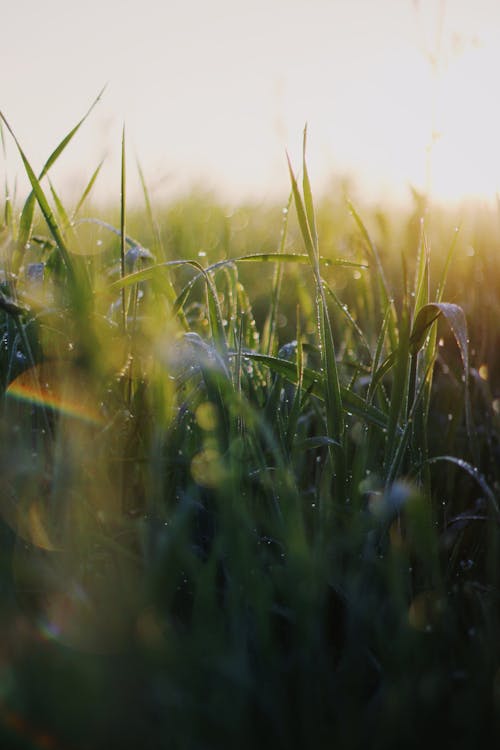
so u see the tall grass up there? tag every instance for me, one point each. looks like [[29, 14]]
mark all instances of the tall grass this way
[[247, 523]]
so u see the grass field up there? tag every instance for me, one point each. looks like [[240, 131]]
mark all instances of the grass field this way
[[249, 473]]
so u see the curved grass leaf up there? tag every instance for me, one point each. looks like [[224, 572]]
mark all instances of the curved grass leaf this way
[[472, 472], [455, 318], [147, 273]]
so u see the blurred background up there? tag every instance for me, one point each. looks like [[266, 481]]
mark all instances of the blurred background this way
[[395, 92]]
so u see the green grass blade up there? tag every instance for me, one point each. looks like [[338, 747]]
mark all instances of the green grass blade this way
[[44, 205], [303, 222], [149, 208], [472, 472], [422, 278], [308, 200], [374, 378], [147, 273], [64, 219], [386, 300], [447, 264], [333, 397], [297, 399], [87, 190], [26, 221], [455, 317], [313, 381], [215, 318], [271, 323], [344, 311], [405, 432], [399, 390]]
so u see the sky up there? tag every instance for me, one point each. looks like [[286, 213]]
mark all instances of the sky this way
[[212, 92]]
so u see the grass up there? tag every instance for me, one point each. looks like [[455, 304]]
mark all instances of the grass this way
[[249, 481]]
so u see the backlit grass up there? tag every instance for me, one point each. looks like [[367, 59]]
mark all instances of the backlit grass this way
[[249, 475]]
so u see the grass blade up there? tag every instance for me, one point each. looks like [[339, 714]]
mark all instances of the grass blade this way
[[44, 205], [87, 190], [308, 200], [472, 472], [313, 381], [271, 323], [303, 223], [26, 221], [386, 300]]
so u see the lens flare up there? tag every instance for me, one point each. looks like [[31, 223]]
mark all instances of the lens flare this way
[[64, 390]]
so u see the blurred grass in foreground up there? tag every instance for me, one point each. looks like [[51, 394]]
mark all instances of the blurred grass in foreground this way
[[249, 475]]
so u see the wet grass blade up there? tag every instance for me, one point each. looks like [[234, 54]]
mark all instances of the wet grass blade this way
[[333, 399], [386, 301], [297, 399], [302, 219], [271, 323], [308, 201], [455, 317], [313, 382], [147, 273], [376, 372], [405, 433], [344, 311], [399, 390], [215, 318], [472, 472]]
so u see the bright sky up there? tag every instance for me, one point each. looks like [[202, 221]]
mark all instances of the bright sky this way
[[213, 91]]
